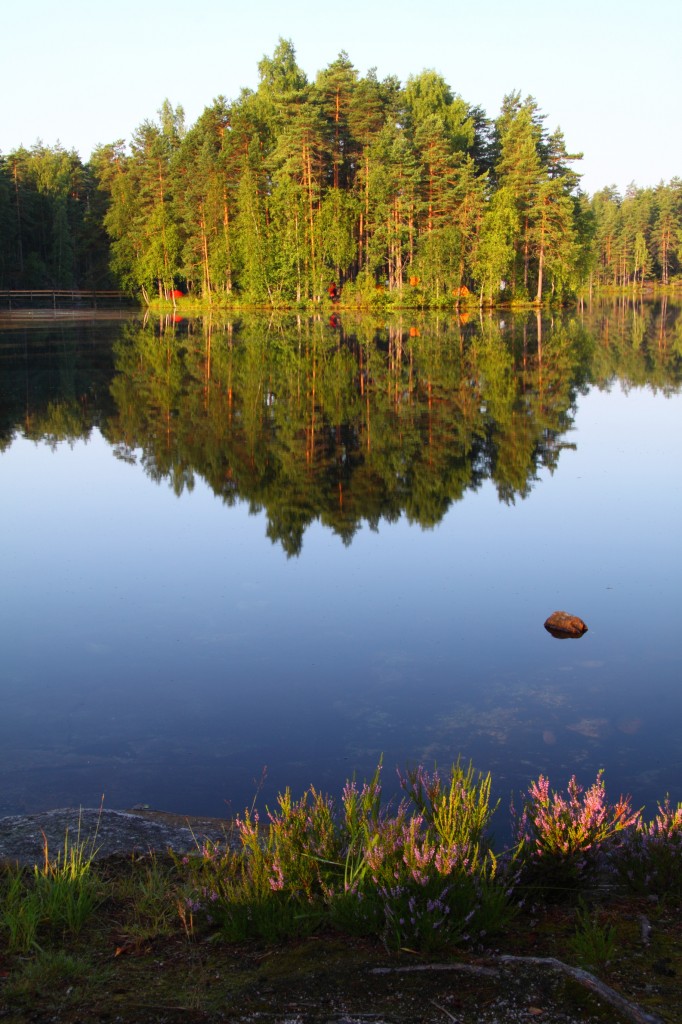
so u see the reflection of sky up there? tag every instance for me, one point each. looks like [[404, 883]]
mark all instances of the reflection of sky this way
[[163, 650]]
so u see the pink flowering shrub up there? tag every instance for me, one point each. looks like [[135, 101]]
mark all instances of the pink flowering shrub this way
[[666, 827], [652, 858], [441, 885], [423, 876], [568, 826], [458, 811], [301, 836]]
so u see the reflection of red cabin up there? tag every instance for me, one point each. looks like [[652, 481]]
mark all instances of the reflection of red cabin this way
[[176, 294]]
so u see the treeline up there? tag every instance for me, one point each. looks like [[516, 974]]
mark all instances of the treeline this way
[[638, 237], [52, 213], [368, 183]]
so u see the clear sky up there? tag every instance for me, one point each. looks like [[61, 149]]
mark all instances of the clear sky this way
[[84, 73]]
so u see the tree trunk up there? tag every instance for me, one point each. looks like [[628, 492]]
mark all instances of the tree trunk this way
[[18, 205], [541, 262], [226, 232], [204, 251]]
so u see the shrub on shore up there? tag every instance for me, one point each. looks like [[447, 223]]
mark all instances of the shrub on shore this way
[[421, 874]]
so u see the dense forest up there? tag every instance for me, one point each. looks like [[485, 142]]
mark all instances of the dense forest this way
[[403, 191]]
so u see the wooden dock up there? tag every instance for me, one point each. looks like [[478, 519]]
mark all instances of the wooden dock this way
[[61, 299]]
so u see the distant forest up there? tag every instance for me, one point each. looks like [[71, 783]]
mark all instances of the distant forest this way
[[402, 190]]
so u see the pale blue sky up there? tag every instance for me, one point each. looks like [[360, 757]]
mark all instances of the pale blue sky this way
[[607, 73]]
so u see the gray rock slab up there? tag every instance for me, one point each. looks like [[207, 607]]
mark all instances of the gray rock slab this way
[[103, 832]]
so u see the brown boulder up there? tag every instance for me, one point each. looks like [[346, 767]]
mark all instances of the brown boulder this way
[[564, 626]]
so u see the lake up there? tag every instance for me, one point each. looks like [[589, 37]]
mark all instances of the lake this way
[[247, 553]]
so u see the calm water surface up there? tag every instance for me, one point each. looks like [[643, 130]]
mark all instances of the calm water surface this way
[[215, 584]]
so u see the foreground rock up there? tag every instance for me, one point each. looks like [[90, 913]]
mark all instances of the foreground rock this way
[[102, 833], [563, 626]]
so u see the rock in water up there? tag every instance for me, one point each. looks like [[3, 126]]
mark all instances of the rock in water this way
[[563, 626]]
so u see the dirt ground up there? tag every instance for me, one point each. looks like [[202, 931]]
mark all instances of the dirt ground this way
[[324, 980]]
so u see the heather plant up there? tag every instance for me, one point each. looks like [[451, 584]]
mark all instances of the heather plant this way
[[651, 859], [445, 887], [443, 912], [560, 835], [272, 885], [458, 813], [242, 893], [302, 837], [363, 827], [423, 878], [369, 838], [429, 877]]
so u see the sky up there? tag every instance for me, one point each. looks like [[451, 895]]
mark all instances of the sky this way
[[607, 73]]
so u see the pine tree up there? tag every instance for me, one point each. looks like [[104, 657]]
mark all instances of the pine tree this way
[[334, 89]]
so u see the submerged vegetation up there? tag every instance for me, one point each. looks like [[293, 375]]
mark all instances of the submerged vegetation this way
[[402, 195], [421, 877]]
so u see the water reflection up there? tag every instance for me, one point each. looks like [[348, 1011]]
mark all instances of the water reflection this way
[[157, 650], [349, 424]]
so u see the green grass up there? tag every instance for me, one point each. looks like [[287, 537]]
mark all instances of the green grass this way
[[57, 897], [595, 939]]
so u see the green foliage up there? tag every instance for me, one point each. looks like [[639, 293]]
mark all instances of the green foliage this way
[[421, 876], [594, 941], [637, 238], [459, 813], [48, 972], [651, 860], [146, 892], [51, 221], [58, 897], [20, 912], [427, 880], [563, 838], [265, 197]]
